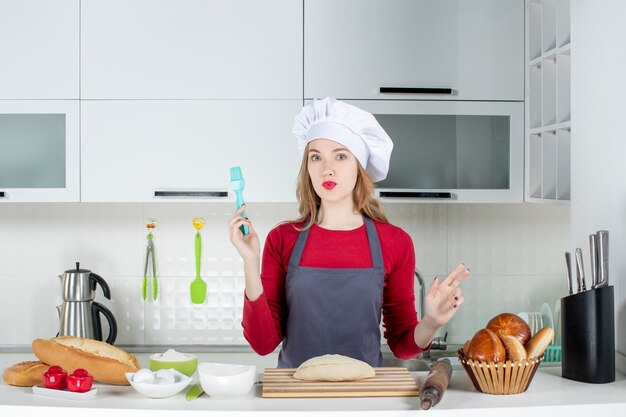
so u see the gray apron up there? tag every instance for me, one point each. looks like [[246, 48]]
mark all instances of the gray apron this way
[[333, 310]]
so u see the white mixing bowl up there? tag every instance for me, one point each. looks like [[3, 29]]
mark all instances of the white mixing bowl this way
[[223, 380]]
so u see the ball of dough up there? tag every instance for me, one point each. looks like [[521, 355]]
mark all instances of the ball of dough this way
[[333, 368]]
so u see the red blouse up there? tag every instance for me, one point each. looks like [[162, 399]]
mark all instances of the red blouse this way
[[264, 319]]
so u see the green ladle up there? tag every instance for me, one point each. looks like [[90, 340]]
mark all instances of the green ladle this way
[[198, 287]]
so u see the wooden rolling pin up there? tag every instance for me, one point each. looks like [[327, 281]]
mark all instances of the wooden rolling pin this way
[[436, 383]]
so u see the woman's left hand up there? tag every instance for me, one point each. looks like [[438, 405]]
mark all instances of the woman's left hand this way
[[444, 297]]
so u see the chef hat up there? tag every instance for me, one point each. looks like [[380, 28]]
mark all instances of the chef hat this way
[[354, 128]]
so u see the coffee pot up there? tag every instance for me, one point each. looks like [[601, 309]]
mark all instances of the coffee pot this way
[[79, 315]]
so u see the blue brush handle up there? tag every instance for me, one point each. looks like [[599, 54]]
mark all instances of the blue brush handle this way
[[240, 202]]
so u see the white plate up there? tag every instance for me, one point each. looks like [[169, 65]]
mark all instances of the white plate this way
[[546, 316], [64, 394]]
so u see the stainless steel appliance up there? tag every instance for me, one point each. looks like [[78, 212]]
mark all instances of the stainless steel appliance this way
[[79, 315]]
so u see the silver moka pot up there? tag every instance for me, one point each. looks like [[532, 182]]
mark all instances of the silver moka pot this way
[[79, 315]]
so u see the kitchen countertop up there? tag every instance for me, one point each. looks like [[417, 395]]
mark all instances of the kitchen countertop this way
[[548, 394]]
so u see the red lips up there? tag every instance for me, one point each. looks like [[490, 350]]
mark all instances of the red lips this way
[[329, 185]]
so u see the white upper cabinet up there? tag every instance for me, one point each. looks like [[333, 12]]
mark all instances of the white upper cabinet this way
[[353, 48], [191, 49], [39, 47], [39, 151], [137, 150]]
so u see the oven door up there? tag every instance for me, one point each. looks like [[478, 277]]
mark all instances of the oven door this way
[[452, 151]]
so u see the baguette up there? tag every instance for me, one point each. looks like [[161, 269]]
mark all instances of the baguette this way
[[25, 374], [105, 362]]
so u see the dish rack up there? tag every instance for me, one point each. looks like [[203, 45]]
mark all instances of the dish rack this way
[[552, 354]]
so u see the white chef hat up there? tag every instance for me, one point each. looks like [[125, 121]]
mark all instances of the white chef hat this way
[[351, 126]]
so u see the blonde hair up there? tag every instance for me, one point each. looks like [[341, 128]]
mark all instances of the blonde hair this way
[[309, 202]]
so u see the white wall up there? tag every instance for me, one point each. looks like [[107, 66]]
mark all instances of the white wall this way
[[514, 252], [599, 139]]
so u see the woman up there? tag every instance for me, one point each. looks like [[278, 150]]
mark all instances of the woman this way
[[328, 276]]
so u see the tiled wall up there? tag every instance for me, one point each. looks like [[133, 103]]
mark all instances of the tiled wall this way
[[515, 253]]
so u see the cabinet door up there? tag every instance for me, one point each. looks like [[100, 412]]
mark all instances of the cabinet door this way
[[191, 49], [39, 49], [39, 151], [352, 48], [132, 149]]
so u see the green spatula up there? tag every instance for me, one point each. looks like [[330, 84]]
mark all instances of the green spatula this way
[[198, 287]]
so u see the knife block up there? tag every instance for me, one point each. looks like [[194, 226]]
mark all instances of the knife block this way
[[588, 336]]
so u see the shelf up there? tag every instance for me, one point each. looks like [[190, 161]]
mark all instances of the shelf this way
[[548, 25], [563, 88], [535, 97], [548, 102], [548, 165], [534, 166], [548, 83], [563, 164], [535, 200], [534, 42], [562, 22]]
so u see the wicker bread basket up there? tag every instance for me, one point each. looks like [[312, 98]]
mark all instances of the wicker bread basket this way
[[502, 377]]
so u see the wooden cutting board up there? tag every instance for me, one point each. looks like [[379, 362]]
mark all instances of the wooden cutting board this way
[[388, 382]]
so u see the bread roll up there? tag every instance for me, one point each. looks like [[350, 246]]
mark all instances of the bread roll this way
[[486, 347], [515, 351], [506, 324], [539, 342], [333, 368], [105, 362], [25, 374]]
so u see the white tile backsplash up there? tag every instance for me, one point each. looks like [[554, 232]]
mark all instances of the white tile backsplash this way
[[514, 252]]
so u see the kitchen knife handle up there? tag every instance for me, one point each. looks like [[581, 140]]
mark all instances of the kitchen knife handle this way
[[593, 259], [602, 237], [568, 266], [417, 90], [580, 270]]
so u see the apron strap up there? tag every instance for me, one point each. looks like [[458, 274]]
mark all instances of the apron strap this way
[[372, 237], [375, 250]]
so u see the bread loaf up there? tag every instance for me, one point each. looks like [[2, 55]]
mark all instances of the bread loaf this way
[[333, 368], [515, 351], [105, 362], [486, 347], [539, 342], [25, 374], [509, 324]]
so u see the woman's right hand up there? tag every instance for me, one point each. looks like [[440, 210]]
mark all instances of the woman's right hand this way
[[248, 246]]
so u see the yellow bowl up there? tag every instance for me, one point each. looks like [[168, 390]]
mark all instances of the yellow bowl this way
[[187, 367]]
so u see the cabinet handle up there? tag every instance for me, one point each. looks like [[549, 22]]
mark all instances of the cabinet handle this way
[[1, 194], [414, 194], [418, 90], [192, 194]]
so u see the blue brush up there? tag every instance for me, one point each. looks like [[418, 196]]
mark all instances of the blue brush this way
[[238, 183]]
